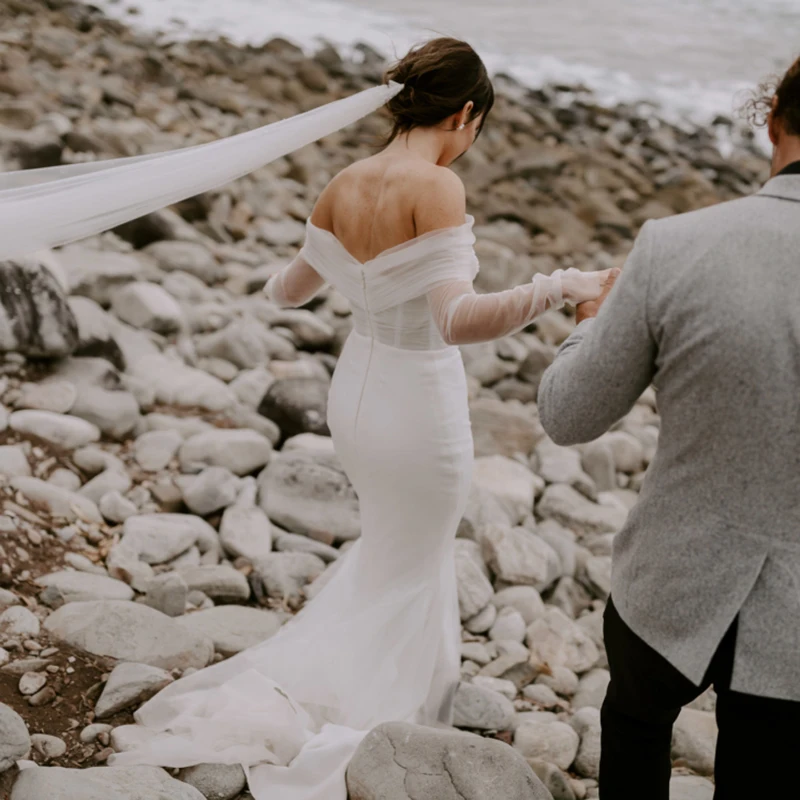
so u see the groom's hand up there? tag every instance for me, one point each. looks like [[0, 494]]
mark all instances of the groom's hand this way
[[590, 309]]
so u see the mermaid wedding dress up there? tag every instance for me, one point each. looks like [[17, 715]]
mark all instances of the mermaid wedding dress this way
[[381, 640]]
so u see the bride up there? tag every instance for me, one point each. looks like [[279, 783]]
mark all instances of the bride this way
[[381, 641]]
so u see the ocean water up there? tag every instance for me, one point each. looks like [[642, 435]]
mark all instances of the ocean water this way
[[695, 58]]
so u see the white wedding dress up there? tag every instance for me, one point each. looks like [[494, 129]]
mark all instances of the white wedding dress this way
[[381, 641]]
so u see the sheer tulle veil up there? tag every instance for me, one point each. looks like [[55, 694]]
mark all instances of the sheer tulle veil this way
[[45, 208]]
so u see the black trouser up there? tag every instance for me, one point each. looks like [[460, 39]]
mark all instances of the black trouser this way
[[759, 738]]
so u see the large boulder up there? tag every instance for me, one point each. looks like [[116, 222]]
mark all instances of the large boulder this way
[[35, 318], [399, 761], [130, 632]]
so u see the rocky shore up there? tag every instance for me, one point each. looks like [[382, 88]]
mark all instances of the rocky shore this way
[[168, 491]]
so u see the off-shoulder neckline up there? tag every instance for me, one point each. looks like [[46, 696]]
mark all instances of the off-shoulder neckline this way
[[470, 221]]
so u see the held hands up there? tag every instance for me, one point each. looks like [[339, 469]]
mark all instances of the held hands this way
[[590, 308]]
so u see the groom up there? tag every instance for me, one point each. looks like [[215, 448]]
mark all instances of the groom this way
[[706, 579]]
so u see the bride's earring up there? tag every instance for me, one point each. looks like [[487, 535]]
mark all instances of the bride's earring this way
[[461, 126]]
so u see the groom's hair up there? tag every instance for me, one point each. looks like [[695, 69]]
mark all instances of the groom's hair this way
[[781, 96], [440, 77]]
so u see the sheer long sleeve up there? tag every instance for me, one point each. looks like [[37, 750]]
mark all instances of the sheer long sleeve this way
[[295, 284], [465, 317]]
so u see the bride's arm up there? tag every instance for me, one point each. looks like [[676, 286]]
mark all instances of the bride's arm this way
[[465, 317], [295, 284]]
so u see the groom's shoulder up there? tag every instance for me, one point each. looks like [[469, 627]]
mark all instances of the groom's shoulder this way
[[728, 214]]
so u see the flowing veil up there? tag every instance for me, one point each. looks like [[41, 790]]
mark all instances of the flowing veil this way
[[44, 208]]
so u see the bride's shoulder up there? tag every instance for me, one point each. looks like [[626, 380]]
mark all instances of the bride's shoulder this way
[[442, 203], [448, 186]]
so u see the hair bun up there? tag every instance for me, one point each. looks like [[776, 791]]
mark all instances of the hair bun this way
[[438, 79]]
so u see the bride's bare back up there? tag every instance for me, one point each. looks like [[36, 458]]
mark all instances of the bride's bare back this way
[[389, 199]]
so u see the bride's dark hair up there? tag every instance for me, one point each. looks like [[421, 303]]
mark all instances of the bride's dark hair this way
[[440, 77]]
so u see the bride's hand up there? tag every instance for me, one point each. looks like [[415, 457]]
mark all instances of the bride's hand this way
[[590, 308]]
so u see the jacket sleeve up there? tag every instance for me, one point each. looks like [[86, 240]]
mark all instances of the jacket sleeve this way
[[604, 367]]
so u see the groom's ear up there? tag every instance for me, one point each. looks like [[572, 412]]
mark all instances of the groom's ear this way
[[774, 124]]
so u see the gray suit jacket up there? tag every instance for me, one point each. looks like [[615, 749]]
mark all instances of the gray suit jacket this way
[[708, 310]]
